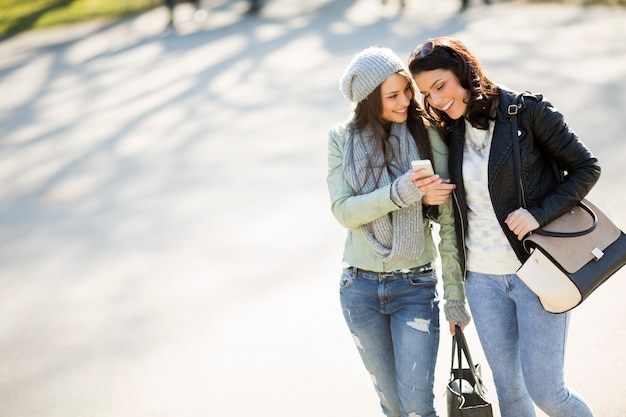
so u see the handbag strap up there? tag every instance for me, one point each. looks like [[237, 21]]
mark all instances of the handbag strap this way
[[456, 348], [459, 345], [583, 232], [513, 111]]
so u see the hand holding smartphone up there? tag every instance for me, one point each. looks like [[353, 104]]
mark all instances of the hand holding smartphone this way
[[423, 164]]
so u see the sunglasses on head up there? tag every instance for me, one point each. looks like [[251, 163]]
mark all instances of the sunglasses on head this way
[[423, 50]]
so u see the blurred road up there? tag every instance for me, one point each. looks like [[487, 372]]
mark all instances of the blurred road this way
[[167, 247]]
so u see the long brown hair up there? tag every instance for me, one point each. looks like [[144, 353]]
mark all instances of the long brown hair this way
[[451, 54], [368, 113]]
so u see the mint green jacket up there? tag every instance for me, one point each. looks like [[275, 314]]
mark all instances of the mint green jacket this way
[[353, 211]]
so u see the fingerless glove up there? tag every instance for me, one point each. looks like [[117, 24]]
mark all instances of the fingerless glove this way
[[456, 312], [404, 192]]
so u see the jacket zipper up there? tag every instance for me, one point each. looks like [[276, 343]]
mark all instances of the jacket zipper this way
[[462, 224]]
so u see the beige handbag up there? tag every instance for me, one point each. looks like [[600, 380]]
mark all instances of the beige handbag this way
[[571, 256]]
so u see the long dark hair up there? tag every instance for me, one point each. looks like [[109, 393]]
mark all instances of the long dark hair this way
[[451, 54], [368, 113]]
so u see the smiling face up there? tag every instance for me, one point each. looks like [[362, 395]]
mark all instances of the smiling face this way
[[442, 90], [396, 95]]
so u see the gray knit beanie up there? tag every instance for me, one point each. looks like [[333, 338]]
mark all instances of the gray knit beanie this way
[[367, 70]]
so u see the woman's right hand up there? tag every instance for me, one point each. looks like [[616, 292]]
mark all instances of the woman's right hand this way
[[521, 222]]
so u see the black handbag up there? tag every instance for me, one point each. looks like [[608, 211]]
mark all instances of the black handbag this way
[[571, 256], [465, 393]]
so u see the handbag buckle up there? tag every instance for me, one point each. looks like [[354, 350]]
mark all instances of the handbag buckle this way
[[597, 254], [513, 109]]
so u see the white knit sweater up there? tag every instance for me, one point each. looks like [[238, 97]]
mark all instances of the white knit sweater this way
[[488, 250]]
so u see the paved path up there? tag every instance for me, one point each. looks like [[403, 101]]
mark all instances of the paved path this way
[[167, 246]]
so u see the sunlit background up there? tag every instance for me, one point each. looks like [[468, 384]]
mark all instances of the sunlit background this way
[[166, 242]]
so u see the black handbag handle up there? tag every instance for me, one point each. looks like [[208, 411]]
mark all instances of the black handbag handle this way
[[459, 345], [573, 234], [513, 110]]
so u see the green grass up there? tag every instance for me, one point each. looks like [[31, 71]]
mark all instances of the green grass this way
[[22, 15]]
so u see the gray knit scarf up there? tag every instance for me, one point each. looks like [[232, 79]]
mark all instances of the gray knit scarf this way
[[398, 236]]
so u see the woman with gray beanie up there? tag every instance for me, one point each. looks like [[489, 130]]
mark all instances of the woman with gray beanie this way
[[388, 286]]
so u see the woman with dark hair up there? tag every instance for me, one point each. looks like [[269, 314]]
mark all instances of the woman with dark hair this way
[[388, 285], [523, 343]]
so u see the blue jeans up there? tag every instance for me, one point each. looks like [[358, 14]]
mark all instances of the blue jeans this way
[[524, 346], [394, 320]]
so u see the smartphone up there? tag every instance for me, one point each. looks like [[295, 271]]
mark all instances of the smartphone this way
[[423, 164]]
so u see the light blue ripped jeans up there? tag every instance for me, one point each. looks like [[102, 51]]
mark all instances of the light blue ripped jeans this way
[[394, 320], [524, 346]]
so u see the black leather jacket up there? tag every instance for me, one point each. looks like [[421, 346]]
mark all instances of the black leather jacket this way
[[548, 147]]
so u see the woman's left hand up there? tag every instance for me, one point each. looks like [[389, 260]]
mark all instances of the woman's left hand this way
[[453, 328], [521, 222], [437, 189]]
